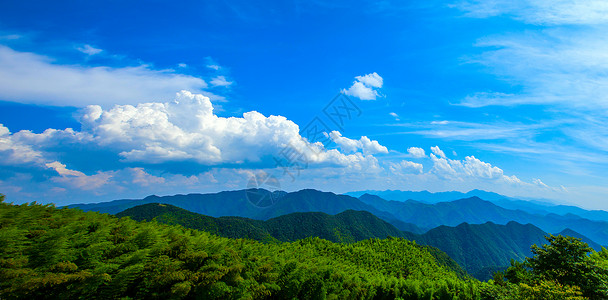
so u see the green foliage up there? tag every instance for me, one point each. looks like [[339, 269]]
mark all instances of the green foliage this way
[[479, 246], [561, 269], [346, 227], [50, 253]]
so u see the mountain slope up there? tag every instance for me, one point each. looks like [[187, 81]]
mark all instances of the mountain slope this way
[[477, 211], [479, 246], [50, 253], [347, 226]]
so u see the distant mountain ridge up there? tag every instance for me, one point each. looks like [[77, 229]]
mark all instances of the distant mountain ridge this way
[[477, 211], [241, 204], [542, 207]]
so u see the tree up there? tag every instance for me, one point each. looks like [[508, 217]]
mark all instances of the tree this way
[[566, 261]]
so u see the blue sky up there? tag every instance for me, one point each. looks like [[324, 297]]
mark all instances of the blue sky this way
[[115, 99]]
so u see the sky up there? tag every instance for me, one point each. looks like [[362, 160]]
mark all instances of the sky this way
[[106, 100]]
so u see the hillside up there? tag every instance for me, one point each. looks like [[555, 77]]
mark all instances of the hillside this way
[[51, 253], [478, 246], [347, 226]]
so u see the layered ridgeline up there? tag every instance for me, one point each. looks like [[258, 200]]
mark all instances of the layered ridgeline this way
[[50, 253], [257, 204], [534, 206], [480, 249], [483, 248], [477, 211], [400, 214]]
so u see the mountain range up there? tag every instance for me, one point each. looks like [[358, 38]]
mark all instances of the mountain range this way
[[410, 215], [473, 247]]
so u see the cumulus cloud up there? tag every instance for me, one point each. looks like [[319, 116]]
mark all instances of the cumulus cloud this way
[[14, 152], [470, 167], [77, 179], [364, 144], [365, 87], [184, 130], [406, 167], [416, 152], [142, 178], [438, 151], [32, 78]]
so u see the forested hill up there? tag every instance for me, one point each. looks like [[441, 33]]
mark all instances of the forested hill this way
[[473, 247], [478, 246], [50, 253], [347, 226]]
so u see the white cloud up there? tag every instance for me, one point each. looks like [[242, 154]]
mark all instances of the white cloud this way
[[89, 50], [545, 12], [538, 182], [214, 67], [365, 87], [406, 167], [416, 152], [77, 179], [438, 151], [372, 80], [182, 65], [14, 152], [220, 81], [349, 145], [183, 130], [394, 115], [470, 167], [142, 178], [440, 122], [33, 78]]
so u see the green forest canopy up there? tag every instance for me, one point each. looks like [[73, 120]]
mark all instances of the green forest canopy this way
[[66, 253]]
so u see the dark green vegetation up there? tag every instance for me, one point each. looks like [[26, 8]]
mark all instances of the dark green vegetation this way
[[347, 226], [482, 249], [50, 253], [560, 269]]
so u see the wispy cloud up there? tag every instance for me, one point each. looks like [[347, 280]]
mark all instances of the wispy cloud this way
[[33, 78], [89, 50], [539, 11], [220, 81]]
